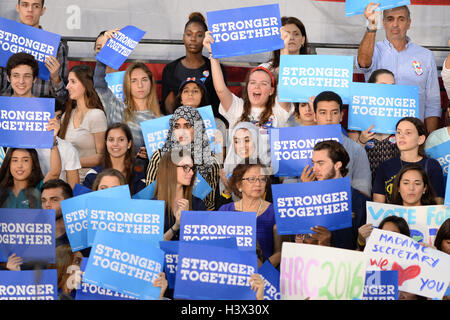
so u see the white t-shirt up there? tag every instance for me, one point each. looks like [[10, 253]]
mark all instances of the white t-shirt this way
[[69, 158], [278, 119], [82, 138]]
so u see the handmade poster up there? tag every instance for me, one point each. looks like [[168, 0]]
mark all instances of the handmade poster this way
[[354, 7], [243, 31], [75, 214], [441, 153], [423, 221], [303, 76], [115, 83], [381, 285], [170, 249], [29, 285], [29, 233], [125, 264], [382, 105], [211, 225], [214, 273], [117, 50], [18, 37], [421, 270], [291, 148], [23, 122], [88, 291], [142, 218], [271, 278], [301, 206], [321, 273]]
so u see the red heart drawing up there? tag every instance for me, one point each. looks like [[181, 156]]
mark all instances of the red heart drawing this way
[[405, 274]]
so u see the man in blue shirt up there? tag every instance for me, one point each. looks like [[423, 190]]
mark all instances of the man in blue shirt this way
[[411, 64]]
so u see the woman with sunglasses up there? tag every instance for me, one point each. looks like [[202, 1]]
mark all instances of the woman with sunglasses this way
[[248, 182], [174, 185]]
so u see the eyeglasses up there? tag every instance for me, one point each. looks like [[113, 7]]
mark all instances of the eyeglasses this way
[[254, 179], [187, 168]]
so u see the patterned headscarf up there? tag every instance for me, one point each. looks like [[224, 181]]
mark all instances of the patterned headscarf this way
[[199, 147]]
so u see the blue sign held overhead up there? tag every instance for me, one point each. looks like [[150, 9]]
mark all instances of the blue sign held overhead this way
[[29, 233], [118, 49], [224, 273], [243, 31], [303, 76], [125, 264], [382, 105], [354, 7], [301, 206], [23, 122], [291, 148], [29, 285], [18, 37]]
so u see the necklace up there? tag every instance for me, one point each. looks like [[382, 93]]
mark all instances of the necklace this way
[[260, 205]]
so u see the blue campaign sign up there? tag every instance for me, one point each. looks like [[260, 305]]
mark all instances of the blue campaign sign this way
[[441, 153], [382, 105], [447, 193], [210, 225], [243, 31], [170, 249], [23, 122], [17, 37], [115, 83], [118, 49], [143, 218], [88, 291], [354, 7], [76, 217], [300, 206], [381, 285], [213, 273], [303, 76], [29, 285], [271, 281], [125, 264], [79, 189], [155, 131], [291, 148], [29, 233], [146, 193]]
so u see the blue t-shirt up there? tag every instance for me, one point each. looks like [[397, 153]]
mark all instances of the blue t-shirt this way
[[264, 228], [387, 171]]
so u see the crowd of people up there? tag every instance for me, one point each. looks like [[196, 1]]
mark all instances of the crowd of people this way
[[98, 141]]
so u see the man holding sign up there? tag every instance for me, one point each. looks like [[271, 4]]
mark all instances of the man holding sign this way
[[411, 64], [30, 12]]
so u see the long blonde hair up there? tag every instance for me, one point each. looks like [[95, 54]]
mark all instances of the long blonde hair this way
[[152, 98], [166, 182]]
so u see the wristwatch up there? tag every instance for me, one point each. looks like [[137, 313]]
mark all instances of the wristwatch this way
[[371, 30], [55, 143]]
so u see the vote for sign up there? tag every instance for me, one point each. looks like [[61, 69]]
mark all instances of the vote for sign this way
[[214, 273], [300, 206], [17, 37], [382, 105], [303, 76], [354, 7], [211, 225], [291, 148], [423, 221], [421, 270], [321, 273], [243, 31], [28, 285], [118, 49], [23, 122], [29, 233], [125, 264], [143, 218], [441, 153], [75, 214]]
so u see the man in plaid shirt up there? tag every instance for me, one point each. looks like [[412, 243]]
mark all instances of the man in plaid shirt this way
[[30, 12]]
